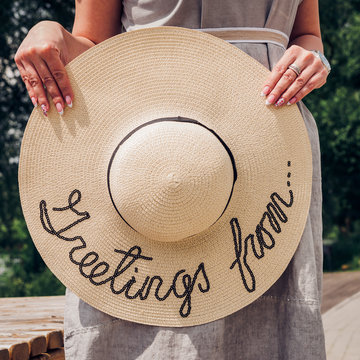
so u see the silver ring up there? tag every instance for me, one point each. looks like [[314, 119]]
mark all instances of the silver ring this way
[[295, 69]]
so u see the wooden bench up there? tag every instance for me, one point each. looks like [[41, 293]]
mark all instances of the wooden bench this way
[[32, 328]]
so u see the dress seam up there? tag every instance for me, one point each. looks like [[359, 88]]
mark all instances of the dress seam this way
[[289, 300], [70, 333]]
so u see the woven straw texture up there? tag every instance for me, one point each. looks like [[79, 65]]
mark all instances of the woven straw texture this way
[[120, 85]]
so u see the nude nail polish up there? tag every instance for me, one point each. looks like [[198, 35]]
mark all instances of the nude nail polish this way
[[34, 101], [68, 101], [59, 109], [265, 91], [270, 99], [291, 101]]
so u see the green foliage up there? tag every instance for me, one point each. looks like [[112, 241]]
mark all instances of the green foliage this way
[[345, 249], [26, 271], [336, 108], [16, 281]]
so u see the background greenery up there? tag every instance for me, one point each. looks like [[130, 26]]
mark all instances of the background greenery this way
[[336, 108]]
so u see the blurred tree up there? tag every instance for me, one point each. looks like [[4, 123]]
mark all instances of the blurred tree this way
[[336, 108], [23, 261]]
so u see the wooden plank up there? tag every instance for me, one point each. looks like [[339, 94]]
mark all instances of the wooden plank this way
[[338, 287], [37, 345], [54, 339], [56, 354], [4, 354], [41, 357], [11, 339], [20, 351], [28, 317]]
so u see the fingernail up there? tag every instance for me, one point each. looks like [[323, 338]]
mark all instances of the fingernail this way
[[270, 99], [265, 91], [43, 108], [33, 100], [280, 102], [59, 108], [68, 101], [291, 101]]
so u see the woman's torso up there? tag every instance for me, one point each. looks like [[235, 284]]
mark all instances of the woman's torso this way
[[284, 323]]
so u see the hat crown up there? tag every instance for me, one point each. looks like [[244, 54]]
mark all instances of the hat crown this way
[[171, 179]]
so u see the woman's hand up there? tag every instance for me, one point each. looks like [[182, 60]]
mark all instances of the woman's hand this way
[[41, 60], [285, 86]]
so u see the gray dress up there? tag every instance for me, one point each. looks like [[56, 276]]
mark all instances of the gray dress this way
[[284, 323]]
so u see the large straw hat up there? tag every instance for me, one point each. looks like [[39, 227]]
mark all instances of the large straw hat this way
[[170, 194]]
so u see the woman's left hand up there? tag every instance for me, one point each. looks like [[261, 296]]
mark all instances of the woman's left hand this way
[[284, 86]]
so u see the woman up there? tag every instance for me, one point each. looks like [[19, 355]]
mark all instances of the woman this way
[[284, 323]]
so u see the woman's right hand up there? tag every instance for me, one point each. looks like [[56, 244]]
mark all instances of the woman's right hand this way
[[41, 60]]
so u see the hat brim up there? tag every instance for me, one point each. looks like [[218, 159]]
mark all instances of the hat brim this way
[[120, 84]]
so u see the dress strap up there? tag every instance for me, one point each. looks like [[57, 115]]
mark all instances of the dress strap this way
[[249, 34]]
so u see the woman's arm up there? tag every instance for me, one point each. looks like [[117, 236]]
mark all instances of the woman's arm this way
[[284, 86], [306, 30], [97, 20], [48, 47]]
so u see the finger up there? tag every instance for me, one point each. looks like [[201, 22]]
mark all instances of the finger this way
[[37, 85], [57, 69], [281, 86], [50, 83], [314, 82], [305, 79], [278, 71], [305, 63], [25, 78], [295, 86]]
